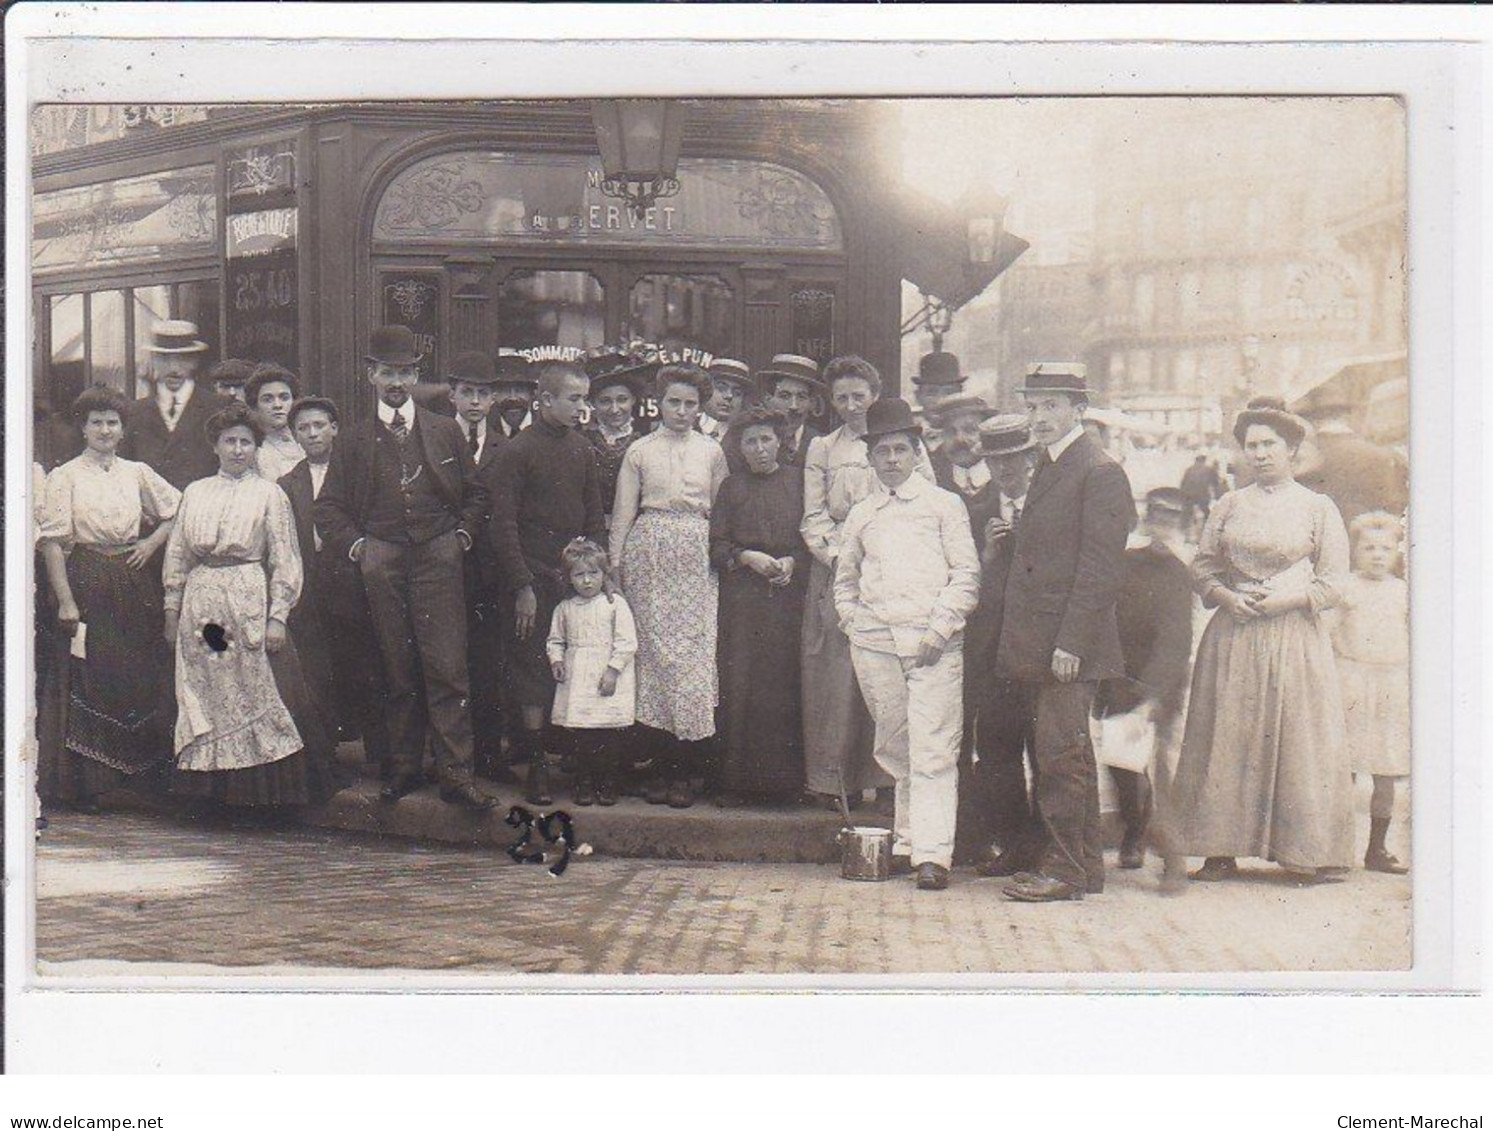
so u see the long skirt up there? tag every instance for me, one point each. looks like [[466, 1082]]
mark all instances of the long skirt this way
[[668, 581], [1264, 767], [759, 664], [237, 740], [1376, 706], [839, 735], [105, 717]]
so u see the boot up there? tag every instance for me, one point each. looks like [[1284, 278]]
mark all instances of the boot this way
[[585, 791], [606, 789], [538, 790]]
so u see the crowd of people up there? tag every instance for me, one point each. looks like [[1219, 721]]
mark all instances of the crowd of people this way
[[540, 584]]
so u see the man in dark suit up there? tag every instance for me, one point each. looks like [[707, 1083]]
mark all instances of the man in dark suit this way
[[165, 427], [996, 807], [1356, 474], [474, 392], [959, 463], [342, 659], [1059, 633], [938, 379], [791, 385], [401, 499]]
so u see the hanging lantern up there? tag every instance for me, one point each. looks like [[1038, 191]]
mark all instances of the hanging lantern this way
[[639, 141]]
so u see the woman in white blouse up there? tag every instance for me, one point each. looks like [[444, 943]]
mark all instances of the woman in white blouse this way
[[660, 539], [106, 709], [245, 733], [838, 731]]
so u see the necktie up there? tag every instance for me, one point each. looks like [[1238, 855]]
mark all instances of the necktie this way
[[1015, 514], [400, 429], [472, 437], [175, 410]]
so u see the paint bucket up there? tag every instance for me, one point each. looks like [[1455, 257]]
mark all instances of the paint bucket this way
[[865, 853]]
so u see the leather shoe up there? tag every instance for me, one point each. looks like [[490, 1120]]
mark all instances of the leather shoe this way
[[1217, 868], [1008, 863], [400, 786], [932, 877], [469, 795], [538, 791], [680, 795], [1042, 889], [1382, 861], [901, 866], [1132, 856]]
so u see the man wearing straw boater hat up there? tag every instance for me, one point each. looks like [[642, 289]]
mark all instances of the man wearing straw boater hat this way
[[401, 500], [791, 384], [1059, 634], [732, 381], [165, 428], [906, 580]]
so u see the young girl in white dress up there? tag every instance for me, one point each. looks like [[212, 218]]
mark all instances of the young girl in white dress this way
[[592, 641], [1372, 640]]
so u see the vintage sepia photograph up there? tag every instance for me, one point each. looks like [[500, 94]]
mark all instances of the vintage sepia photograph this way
[[812, 537]]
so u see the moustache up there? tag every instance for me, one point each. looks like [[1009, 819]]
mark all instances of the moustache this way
[[513, 404]]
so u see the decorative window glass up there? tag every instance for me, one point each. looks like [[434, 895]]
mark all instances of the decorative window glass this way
[[551, 308], [170, 215], [682, 312], [478, 197]]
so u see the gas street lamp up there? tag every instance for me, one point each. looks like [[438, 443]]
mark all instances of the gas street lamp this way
[[639, 141]]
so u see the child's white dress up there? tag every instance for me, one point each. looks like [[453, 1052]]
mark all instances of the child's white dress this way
[[590, 635], [1372, 641]]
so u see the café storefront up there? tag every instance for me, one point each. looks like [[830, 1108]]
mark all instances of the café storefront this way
[[286, 233]]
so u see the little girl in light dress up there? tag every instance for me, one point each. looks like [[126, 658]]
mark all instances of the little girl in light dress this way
[[1371, 637], [591, 644]]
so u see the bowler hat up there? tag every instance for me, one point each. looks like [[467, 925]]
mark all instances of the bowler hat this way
[[1057, 377], [393, 345], [956, 406], [791, 365], [175, 335], [472, 367], [617, 367], [1167, 499], [938, 368], [1006, 435], [513, 368], [891, 414]]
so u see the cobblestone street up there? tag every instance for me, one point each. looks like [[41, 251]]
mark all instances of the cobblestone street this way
[[130, 889]]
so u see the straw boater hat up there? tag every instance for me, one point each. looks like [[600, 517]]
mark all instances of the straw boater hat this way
[[515, 369], [1070, 377], [946, 410], [891, 414], [1167, 500], [393, 345], [608, 366], [1006, 435], [175, 336], [729, 369], [791, 365], [472, 367]]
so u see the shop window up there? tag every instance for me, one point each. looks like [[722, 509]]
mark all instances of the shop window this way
[[683, 312], [152, 305], [551, 308], [67, 374], [106, 334], [166, 215], [813, 310]]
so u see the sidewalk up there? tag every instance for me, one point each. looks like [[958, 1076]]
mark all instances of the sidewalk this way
[[126, 893]]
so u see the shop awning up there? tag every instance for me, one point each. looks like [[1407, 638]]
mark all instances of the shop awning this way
[[932, 242], [1354, 380]]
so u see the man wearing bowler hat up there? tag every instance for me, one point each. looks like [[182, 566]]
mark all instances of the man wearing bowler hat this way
[[473, 380], [906, 580], [165, 428], [402, 500], [998, 825], [791, 385], [517, 383], [938, 379], [1059, 634], [1356, 474], [959, 464]]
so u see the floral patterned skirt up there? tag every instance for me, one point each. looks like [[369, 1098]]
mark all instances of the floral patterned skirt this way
[[673, 592]]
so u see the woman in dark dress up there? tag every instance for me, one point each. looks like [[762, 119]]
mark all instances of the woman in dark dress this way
[[619, 383], [764, 571], [105, 717]]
